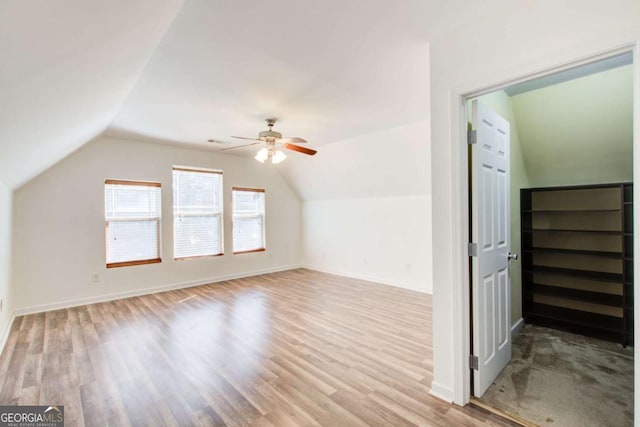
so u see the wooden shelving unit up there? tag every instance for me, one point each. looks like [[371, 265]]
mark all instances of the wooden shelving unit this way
[[577, 254]]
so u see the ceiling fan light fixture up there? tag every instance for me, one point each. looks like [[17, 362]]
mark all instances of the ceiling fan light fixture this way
[[274, 140], [278, 157], [262, 155]]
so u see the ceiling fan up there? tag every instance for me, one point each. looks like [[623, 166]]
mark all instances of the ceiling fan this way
[[274, 141]]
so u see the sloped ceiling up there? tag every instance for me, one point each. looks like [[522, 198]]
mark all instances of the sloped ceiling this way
[[580, 131], [329, 70], [186, 71], [67, 66], [391, 162]]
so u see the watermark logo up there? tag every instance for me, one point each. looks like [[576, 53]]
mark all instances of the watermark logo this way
[[32, 416]]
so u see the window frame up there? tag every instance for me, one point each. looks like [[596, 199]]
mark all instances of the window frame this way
[[219, 214], [263, 215], [157, 219]]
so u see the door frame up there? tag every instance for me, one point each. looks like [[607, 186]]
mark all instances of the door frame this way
[[460, 233]]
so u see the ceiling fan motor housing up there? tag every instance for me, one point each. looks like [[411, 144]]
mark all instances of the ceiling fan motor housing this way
[[270, 134]]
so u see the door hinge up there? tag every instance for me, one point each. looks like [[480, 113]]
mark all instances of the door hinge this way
[[473, 362], [472, 137], [472, 249]]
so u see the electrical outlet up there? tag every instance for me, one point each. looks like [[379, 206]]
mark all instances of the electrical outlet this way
[[95, 277], [0, 304], [407, 267]]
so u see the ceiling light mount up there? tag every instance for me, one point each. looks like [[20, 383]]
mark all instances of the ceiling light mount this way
[[270, 133]]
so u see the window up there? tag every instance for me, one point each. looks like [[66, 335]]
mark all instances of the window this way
[[248, 220], [132, 216], [197, 212]]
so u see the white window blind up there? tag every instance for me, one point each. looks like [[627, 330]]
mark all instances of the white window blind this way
[[132, 216], [248, 220], [197, 213]]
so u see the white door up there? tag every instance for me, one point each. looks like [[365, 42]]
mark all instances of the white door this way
[[490, 229]]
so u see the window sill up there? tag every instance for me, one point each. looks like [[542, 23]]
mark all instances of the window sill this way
[[249, 251], [197, 257], [132, 263]]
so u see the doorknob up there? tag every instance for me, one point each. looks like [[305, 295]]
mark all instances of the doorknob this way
[[511, 256]]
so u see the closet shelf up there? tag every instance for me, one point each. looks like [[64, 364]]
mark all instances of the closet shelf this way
[[604, 254], [601, 298], [603, 241], [553, 211], [611, 326], [588, 274], [557, 230]]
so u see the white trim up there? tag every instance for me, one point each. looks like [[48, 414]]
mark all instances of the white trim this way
[[195, 169], [374, 279], [636, 222], [441, 392], [5, 333], [478, 88], [460, 206], [145, 291], [516, 328], [460, 260]]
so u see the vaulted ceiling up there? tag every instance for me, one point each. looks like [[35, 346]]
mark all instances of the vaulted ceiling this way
[[185, 71], [67, 67]]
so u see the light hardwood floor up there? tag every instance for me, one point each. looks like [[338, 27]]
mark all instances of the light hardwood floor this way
[[285, 349]]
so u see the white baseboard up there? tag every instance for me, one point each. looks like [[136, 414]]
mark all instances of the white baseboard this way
[[516, 328], [409, 286], [441, 392], [144, 291], [6, 331]]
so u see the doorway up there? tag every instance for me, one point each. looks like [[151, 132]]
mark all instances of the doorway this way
[[563, 142]]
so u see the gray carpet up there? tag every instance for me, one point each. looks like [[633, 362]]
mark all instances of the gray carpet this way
[[560, 379]]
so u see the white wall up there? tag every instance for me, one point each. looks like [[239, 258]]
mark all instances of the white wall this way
[[388, 163], [59, 218], [367, 206], [497, 41], [382, 239], [6, 314]]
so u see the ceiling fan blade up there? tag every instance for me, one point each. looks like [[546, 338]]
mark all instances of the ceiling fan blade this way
[[250, 139], [290, 140], [240, 146], [300, 149]]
